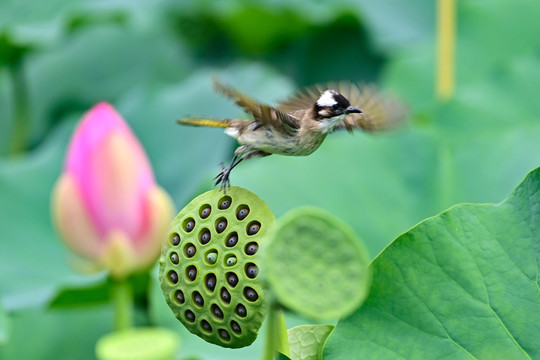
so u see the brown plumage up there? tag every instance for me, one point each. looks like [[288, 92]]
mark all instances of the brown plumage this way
[[299, 125]]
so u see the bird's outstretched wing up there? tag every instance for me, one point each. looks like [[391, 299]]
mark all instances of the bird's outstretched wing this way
[[379, 111], [263, 114]]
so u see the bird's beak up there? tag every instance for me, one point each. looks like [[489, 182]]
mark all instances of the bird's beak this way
[[352, 109]]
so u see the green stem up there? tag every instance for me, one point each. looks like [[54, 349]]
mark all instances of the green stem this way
[[122, 296], [21, 121], [276, 334]]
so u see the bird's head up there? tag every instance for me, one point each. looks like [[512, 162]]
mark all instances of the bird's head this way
[[331, 108], [332, 104]]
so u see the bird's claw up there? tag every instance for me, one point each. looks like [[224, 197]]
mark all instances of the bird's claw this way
[[223, 178]]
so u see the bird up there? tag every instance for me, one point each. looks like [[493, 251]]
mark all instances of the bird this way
[[298, 125]]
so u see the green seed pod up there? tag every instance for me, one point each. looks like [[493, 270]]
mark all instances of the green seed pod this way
[[316, 265], [209, 267]]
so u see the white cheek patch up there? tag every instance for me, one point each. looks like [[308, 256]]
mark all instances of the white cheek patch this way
[[327, 99]]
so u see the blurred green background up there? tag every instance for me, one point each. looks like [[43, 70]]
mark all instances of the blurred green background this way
[[153, 60]]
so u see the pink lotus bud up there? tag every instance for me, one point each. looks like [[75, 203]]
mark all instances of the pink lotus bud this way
[[106, 204]]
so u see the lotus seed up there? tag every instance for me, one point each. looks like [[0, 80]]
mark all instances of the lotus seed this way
[[224, 335], [179, 296], [205, 236], [211, 282], [235, 327], [241, 310], [232, 279], [175, 240], [211, 257], [251, 248], [206, 212], [225, 296], [231, 260], [250, 294], [225, 203], [253, 228], [190, 225], [198, 299], [190, 250], [252, 270], [174, 258], [173, 276], [232, 240], [217, 311], [192, 272], [190, 316], [242, 213], [206, 325]]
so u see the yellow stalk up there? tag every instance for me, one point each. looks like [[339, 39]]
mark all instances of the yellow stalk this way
[[446, 36]]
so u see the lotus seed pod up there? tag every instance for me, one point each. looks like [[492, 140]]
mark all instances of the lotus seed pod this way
[[316, 265], [210, 266]]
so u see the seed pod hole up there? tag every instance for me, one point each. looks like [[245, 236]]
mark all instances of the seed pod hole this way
[[204, 236], [179, 297], [221, 225], [216, 311], [251, 248], [232, 239], [197, 298], [211, 256], [251, 270], [210, 282], [173, 276], [190, 250], [232, 279], [190, 316], [189, 224], [225, 202], [225, 296], [224, 334], [205, 211], [241, 311], [253, 228], [250, 294], [242, 212], [236, 327], [174, 258], [174, 239], [230, 260], [191, 273], [206, 326]]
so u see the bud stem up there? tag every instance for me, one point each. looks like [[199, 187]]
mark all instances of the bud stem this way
[[122, 297]]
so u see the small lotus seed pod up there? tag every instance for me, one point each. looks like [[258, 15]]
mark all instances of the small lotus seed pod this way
[[209, 267], [322, 274]]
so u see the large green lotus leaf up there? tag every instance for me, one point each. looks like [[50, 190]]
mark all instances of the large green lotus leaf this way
[[463, 284]]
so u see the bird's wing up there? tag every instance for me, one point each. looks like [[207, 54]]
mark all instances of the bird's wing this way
[[263, 114], [379, 112]]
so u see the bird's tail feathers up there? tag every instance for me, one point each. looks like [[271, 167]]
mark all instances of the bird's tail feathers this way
[[222, 123]]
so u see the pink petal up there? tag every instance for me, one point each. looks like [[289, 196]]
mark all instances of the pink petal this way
[[111, 170]]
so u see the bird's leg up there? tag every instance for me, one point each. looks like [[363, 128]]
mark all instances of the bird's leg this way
[[242, 153]]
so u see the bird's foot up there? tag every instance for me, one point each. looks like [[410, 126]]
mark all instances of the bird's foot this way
[[223, 178]]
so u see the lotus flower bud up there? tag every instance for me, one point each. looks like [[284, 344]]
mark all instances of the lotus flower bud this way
[[106, 204]]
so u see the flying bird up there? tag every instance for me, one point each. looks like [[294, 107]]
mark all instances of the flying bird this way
[[299, 125]]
